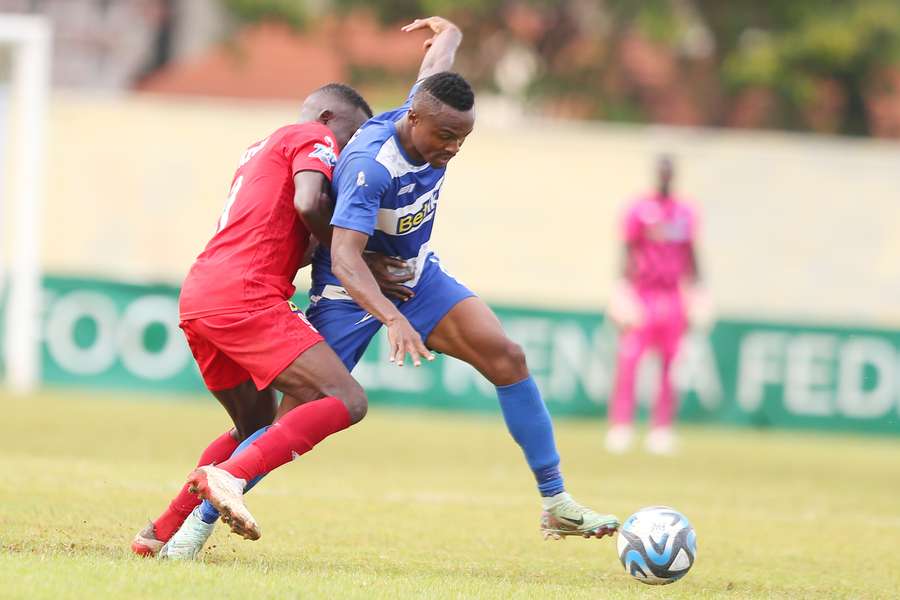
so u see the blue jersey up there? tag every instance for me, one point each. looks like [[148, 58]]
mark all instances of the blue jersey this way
[[384, 194]]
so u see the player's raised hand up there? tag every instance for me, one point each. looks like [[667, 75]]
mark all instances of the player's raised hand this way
[[436, 24], [403, 340], [390, 273]]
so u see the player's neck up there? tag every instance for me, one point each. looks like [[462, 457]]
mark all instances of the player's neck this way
[[406, 144]]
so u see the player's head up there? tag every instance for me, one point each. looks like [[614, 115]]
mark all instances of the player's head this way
[[338, 106], [665, 173], [441, 116]]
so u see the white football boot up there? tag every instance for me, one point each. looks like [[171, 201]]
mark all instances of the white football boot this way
[[188, 541], [563, 516], [226, 493]]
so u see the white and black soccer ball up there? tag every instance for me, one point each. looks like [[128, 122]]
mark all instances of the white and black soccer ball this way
[[657, 545]]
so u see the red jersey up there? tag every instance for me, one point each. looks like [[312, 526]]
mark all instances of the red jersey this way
[[251, 261]]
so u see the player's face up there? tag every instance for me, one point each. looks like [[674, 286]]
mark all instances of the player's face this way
[[439, 136], [665, 172]]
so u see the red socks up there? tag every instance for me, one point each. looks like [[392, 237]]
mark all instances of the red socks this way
[[172, 518], [294, 434]]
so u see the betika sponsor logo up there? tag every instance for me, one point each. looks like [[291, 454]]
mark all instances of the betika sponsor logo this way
[[408, 218], [407, 223]]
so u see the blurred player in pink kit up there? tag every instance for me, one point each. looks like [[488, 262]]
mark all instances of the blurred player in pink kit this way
[[650, 306]]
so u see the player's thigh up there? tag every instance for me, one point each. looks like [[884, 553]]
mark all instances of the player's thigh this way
[[347, 328], [633, 342], [671, 338], [471, 332], [291, 401], [319, 371], [250, 409]]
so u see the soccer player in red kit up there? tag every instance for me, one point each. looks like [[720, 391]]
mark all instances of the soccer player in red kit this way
[[246, 336]]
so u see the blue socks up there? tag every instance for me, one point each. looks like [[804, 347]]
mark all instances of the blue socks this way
[[208, 513], [529, 423]]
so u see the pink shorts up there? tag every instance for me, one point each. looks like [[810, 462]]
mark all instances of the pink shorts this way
[[665, 318], [258, 344]]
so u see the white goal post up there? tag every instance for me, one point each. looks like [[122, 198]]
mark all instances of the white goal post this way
[[29, 40]]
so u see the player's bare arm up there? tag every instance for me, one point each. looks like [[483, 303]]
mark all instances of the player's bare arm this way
[[347, 263], [440, 48], [316, 207], [313, 204]]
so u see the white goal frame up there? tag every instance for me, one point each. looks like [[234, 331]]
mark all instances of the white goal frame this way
[[30, 39]]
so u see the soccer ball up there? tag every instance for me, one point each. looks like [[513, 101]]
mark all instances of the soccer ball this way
[[657, 545]]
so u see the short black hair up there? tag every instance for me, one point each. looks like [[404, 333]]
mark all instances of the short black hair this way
[[349, 95], [451, 89]]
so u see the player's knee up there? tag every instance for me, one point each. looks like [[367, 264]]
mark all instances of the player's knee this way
[[354, 398], [510, 365]]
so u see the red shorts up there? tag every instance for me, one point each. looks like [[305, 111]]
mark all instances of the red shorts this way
[[258, 344]]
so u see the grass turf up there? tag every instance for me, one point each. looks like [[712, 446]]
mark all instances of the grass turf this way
[[434, 505]]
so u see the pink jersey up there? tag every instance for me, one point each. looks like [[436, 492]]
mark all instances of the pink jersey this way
[[660, 232]]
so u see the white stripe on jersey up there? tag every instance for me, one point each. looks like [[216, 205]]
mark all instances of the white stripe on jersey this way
[[390, 156]]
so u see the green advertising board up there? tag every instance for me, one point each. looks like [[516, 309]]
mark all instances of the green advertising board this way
[[125, 336]]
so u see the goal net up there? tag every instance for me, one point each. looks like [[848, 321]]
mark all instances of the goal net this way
[[25, 43]]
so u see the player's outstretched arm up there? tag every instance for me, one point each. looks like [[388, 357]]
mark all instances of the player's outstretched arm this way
[[349, 267], [440, 48]]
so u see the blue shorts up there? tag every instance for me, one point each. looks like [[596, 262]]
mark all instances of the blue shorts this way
[[348, 329]]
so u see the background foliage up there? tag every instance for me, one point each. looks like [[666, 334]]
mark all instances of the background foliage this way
[[824, 65]]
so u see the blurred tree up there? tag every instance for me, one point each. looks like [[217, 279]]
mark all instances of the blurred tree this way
[[291, 12], [822, 65]]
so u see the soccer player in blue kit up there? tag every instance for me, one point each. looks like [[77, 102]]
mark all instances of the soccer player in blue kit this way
[[387, 183]]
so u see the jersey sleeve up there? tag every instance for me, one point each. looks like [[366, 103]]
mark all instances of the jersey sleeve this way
[[360, 186], [316, 152]]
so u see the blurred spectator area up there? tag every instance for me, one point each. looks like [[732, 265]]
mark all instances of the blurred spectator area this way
[[810, 65], [196, 47], [111, 44]]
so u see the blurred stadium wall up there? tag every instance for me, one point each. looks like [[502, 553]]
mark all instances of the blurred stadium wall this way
[[793, 226], [797, 242]]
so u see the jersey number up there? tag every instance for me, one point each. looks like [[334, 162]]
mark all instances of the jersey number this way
[[232, 196]]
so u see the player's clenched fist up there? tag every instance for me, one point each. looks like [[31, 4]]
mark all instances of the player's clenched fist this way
[[406, 340]]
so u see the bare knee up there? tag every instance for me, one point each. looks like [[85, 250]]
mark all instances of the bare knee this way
[[354, 398], [507, 366]]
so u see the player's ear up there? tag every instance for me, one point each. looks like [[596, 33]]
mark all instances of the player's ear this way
[[412, 116], [325, 115]]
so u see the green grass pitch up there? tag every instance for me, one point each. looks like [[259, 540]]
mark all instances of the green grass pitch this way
[[434, 505]]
